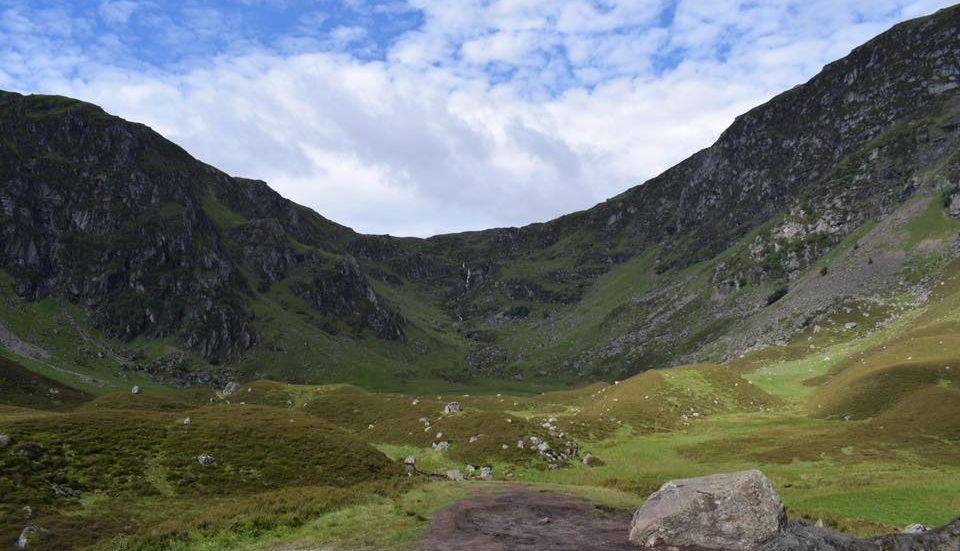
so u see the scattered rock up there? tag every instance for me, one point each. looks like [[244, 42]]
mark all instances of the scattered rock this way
[[470, 469], [544, 520], [590, 460], [439, 446], [135, 389], [473, 439], [187, 421], [206, 459], [29, 451], [31, 536], [4, 440], [850, 325], [451, 408], [733, 511], [486, 473], [53, 392], [231, 388], [455, 474], [916, 529], [410, 460], [62, 490]]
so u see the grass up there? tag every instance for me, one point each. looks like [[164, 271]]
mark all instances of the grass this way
[[933, 224]]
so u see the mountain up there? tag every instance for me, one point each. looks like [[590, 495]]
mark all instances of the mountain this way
[[123, 255]]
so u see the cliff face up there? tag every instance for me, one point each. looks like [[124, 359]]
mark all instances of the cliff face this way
[[111, 216], [148, 242]]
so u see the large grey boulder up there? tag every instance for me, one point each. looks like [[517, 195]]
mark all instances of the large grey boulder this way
[[231, 388], [733, 511]]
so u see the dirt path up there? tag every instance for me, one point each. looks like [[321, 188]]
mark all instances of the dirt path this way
[[524, 520]]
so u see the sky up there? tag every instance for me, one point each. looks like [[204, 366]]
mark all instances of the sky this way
[[418, 117]]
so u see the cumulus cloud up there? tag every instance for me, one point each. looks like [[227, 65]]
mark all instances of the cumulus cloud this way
[[485, 113]]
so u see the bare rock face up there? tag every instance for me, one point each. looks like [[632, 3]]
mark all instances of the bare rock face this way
[[734, 511]]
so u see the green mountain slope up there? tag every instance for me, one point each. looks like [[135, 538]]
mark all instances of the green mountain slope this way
[[124, 259]]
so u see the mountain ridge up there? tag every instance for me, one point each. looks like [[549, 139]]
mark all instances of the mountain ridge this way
[[237, 277]]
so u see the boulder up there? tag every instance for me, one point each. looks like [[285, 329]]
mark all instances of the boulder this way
[[135, 389], [187, 421], [486, 473], [455, 474], [410, 460], [734, 511], [451, 408], [231, 388], [4, 440], [440, 446], [916, 529]]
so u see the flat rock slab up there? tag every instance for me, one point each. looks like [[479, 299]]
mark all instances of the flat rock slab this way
[[528, 521]]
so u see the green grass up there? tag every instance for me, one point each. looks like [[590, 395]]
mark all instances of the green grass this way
[[933, 224]]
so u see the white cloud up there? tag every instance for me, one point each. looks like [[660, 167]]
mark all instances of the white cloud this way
[[117, 12], [492, 113]]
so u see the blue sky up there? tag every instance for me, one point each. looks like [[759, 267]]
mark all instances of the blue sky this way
[[415, 117]]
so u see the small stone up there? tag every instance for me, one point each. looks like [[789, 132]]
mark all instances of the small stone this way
[[544, 520], [440, 446], [819, 523], [504, 447], [439, 435], [187, 421], [135, 389], [410, 460], [4, 440], [455, 474], [590, 460], [62, 490], [206, 459], [27, 511], [29, 536], [916, 529], [470, 469], [473, 439]]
